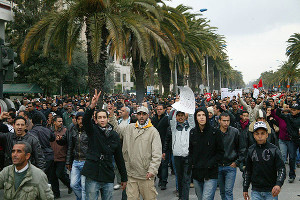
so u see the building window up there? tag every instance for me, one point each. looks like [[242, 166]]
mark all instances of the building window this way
[[118, 76], [124, 77]]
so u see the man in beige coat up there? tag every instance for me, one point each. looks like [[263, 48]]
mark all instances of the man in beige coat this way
[[142, 154]]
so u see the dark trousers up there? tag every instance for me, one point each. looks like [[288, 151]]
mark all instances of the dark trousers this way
[[2, 157], [183, 176], [163, 170], [49, 171], [60, 173]]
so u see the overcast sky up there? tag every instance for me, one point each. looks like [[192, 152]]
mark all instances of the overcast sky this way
[[256, 31]]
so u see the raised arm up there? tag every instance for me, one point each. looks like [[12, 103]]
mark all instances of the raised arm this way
[[87, 118], [243, 103], [191, 121], [113, 121]]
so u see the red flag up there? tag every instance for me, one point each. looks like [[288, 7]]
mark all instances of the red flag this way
[[255, 86], [260, 83], [208, 96]]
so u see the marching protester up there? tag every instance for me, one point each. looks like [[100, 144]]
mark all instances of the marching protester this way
[[37, 157], [161, 123], [77, 141], [292, 121], [45, 136], [252, 108], [232, 158], [89, 148], [60, 154], [22, 180], [178, 138], [142, 154], [103, 144], [206, 151], [265, 168]]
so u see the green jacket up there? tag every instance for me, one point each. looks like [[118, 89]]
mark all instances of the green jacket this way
[[34, 185]]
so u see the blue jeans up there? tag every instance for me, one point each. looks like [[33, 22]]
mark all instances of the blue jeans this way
[[262, 196], [289, 148], [173, 163], [298, 156], [226, 178], [77, 180], [206, 190], [163, 170], [92, 190]]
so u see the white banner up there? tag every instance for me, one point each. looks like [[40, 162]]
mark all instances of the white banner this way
[[187, 101]]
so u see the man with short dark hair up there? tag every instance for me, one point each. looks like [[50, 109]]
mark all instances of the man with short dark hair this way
[[32, 110], [292, 124], [76, 155], [45, 136], [232, 157], [25, 180], [37, 156], [67, 116], [161, 123], [103, 144], [265, 169], [60, 154]]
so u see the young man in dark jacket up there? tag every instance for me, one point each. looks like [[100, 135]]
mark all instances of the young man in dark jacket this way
[[293, 126], [77, 141], [103, 144], [161, 123], [232, 157], [45, 136], [206, 152], [37, 157], [265, 169]]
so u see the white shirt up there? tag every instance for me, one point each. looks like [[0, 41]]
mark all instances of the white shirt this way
[[22, 170]]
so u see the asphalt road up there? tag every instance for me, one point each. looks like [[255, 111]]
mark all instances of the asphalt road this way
[[289, 190]]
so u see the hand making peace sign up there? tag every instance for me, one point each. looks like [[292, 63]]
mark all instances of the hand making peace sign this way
[[95, 99]]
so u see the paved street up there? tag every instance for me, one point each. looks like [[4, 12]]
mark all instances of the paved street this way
[[289, 191]]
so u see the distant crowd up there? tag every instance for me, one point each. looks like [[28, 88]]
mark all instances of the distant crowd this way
[[118, 143]]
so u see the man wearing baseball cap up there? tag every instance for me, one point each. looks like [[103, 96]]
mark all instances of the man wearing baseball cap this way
[[265, 169], [142, 154]]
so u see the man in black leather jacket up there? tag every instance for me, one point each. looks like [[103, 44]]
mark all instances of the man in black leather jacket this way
[[77, 141], [265, 169], [45, 136], [232, 157]]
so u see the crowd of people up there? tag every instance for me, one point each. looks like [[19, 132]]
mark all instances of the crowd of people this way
[[118, 143]]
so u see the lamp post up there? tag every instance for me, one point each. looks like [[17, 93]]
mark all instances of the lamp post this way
[[206, 57]]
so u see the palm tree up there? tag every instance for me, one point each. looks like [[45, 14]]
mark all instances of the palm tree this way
[[289, 73], [107, 23], [293, 49]]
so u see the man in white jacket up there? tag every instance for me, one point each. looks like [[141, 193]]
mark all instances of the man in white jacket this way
[[180, 125]]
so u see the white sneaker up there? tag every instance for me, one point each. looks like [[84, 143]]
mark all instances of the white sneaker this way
[[116, 187]]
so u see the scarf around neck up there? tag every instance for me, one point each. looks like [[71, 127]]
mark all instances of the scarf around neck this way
[[146, 125], [244, 124], [107, 130]]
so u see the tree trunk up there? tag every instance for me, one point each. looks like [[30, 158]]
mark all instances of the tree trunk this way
[[96, 70], [139, 68], [165, 73], [192, 75]]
